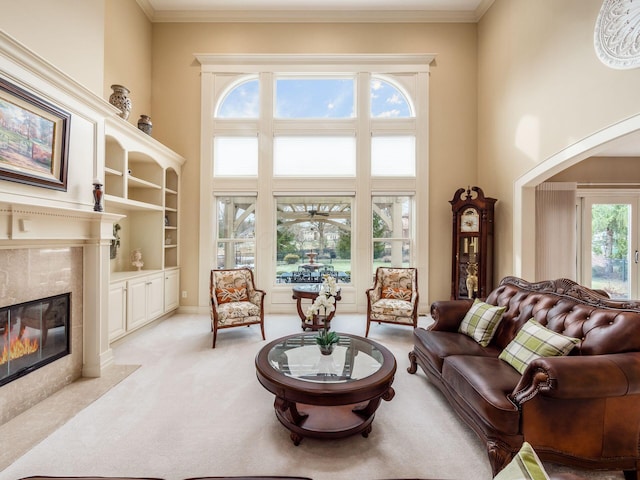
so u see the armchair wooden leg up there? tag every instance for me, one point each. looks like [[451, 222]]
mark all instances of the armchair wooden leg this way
[[215, 334], [366, 333], [262, 330]]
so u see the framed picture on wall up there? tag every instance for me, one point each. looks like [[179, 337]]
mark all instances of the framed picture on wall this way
[[34, 139]]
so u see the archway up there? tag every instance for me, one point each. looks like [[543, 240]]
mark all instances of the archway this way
[[620, 139]]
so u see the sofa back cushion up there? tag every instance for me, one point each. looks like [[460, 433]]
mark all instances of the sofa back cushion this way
[[602, 325]]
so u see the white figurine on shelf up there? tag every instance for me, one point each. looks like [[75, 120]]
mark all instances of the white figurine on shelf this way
[[136, 259]]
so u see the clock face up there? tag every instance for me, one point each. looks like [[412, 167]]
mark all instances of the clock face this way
[[470, 220]]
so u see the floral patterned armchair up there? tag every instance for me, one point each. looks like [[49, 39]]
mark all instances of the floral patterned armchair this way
[[235, 302], [394, 297]]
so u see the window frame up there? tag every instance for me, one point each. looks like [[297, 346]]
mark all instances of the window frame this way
[[411, 72]]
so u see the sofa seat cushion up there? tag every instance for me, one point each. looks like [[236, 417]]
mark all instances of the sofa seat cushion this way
[[482, 385], [438, 345]]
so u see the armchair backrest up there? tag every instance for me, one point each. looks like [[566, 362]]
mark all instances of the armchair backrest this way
[[231, 285], [396, 281]]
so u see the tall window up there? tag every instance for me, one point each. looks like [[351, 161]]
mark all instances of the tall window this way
[[236, 227], [325, 144], [391, 231], [313, 239]]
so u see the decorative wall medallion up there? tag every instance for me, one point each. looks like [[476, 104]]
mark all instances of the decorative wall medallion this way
[[617, 34]]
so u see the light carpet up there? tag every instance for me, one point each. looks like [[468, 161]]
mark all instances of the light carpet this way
[[191, 410]]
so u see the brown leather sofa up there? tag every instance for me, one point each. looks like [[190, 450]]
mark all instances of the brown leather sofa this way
[[582, 409]]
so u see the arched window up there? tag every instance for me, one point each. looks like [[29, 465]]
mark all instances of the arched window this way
[[388, 100], [242, 100]]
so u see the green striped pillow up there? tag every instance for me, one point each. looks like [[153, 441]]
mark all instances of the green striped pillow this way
[[534, 341], [525, 466], [481, 321]]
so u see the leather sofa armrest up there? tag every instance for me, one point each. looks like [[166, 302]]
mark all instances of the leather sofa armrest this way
[[448, 314], [588, 376]]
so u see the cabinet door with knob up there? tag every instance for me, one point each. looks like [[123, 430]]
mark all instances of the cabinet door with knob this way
[[117, 310], [472, 248], [145, 300], [171, 287]]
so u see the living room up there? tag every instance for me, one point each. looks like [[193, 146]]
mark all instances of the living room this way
[[516, 96]]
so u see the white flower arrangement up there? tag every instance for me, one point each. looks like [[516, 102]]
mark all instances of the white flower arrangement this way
[[326, 299]]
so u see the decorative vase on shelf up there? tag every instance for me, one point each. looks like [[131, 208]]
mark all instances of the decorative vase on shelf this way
[[120, 99], [144, 124]]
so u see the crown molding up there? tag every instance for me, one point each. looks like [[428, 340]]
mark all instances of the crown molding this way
[[313, 15]]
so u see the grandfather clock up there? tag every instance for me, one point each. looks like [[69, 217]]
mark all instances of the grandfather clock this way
[[472, 253]]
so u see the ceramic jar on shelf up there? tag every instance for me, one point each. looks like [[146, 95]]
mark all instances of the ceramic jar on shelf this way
[[144, 124], [120, 99]]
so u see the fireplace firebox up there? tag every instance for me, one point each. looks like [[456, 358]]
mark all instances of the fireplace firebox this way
[[33, 334]]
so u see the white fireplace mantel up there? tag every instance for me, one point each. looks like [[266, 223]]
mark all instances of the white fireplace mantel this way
[[26, 226]]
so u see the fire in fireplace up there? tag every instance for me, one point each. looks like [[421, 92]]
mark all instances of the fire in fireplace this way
[[33, 334]]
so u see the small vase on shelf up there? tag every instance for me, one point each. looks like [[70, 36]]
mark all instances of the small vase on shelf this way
[[120, 99], [144, 124]]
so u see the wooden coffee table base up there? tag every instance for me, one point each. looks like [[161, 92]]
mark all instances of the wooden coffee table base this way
[[319, 398], [326, 422]]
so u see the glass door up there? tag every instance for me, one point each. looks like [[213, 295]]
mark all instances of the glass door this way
[[610, 245]]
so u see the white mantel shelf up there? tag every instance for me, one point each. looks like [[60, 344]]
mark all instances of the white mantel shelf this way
[[25, 222]]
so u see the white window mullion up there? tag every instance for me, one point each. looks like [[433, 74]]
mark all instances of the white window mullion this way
[[362, 216], [265, 214]]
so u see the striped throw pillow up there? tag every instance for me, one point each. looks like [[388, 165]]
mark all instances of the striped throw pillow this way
[[481, 321], [534, 341]]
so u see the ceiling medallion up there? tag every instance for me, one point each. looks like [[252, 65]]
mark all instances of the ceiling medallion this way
[[617, 34]]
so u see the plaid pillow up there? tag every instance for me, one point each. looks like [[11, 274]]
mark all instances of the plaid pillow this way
[[481, 321], [534, 341], [226, 295], [525, 466], [396, 293]]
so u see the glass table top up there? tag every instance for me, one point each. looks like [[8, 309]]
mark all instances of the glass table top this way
[[309, 287], [299, 357]]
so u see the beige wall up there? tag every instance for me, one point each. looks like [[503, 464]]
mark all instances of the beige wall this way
[[68, 33], [541, 88], [610, 170], [127, 54], [176, 108]]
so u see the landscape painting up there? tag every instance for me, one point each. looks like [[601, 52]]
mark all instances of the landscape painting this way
[[33, 139]]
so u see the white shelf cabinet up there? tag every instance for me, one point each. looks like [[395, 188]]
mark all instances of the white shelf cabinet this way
[[142, 183]]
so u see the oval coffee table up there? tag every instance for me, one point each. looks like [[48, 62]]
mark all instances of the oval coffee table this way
[[326, 396]]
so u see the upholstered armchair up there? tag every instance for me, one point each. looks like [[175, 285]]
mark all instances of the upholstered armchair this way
[[394, 297], [235, 302]]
